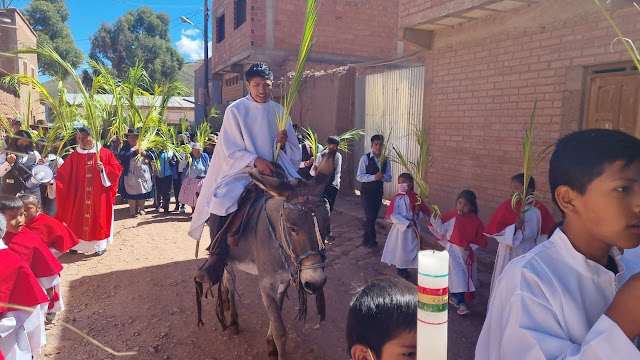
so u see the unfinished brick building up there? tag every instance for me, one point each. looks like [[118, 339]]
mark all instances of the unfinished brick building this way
[[15, 32], [487, 61], [245, 31]]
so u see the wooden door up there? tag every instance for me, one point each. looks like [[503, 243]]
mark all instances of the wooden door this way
[[615, 104]]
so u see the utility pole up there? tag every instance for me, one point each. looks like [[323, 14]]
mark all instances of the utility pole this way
[[207, 96]]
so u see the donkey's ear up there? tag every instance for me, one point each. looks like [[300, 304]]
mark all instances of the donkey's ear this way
[[276, 187], [325, 169]]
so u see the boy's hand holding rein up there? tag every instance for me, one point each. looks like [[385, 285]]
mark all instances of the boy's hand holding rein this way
[[624, 309]]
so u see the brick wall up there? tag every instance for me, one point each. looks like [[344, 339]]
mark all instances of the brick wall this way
[[483, 78], [8, 101], [232, 88], [364, 28], [236, 41]]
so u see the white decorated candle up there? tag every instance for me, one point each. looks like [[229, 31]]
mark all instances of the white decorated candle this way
[[433, 296]]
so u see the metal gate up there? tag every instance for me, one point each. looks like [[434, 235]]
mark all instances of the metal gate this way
[[390, 103]]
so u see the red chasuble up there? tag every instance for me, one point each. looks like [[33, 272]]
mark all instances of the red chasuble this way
[[468, 229], [18, 286], [54, 233], [85, 205], [34, 252], [506, 216]]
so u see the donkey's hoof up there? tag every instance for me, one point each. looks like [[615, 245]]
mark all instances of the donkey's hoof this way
[[273, 354], [234, 329], [273, 349]]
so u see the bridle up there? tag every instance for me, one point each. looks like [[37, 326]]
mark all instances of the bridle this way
[[307, 204]]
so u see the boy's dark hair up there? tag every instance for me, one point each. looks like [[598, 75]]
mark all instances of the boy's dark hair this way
[[381, 311], [555, 227], [377, 137], [580, 157], [470, 197], [406, 176], [258, 69], [520, 179], [85, 130], [333, 140], [296, 127], [10, 202], [29, 199]]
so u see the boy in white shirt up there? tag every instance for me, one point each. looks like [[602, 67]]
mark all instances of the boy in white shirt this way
[[564, 299]]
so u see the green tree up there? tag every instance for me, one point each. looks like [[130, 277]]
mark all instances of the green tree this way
[[139, 36], [49, 19]]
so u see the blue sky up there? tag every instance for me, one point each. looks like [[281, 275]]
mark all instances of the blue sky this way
[[87, 15]]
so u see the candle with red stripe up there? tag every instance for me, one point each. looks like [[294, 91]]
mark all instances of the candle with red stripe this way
[[433, 296]]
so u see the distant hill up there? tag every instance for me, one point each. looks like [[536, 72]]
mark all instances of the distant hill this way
[[186, 77]]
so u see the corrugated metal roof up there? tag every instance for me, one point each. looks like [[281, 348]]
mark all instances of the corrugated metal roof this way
[[141, 101]]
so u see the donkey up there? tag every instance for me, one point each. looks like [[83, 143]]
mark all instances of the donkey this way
[[284, 245]]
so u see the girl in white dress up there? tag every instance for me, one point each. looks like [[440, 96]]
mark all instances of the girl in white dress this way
[[403, 242]]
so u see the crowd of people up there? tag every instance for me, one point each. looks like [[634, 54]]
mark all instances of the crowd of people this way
[[558, 290]]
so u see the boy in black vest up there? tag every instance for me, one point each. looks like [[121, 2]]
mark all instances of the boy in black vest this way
[[372, 175]]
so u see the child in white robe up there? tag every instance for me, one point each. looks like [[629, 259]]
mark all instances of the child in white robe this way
[[461, 232], [517, 235], [21, 331], [563, 299], [403, 241]]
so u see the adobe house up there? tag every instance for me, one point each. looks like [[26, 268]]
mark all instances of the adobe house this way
[[487, 61], [246, 31], [15, 33]]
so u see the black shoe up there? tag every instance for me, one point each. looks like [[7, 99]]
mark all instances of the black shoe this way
[[71, 251], [101, 252], [177, 208], [330, 237]]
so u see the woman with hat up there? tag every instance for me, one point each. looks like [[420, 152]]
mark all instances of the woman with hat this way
[[193, 176], [136, 167], [16, 164]]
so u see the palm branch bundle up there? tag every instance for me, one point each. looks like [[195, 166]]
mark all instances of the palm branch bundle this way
[[384, 155], [531, 162], [419, 168], [202, 134], [282, 118], [105, 83]]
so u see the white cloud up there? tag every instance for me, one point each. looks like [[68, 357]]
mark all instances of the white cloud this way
[[192, 49], [190, 32]]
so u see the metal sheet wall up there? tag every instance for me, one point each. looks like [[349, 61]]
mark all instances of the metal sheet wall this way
[[391, 102]]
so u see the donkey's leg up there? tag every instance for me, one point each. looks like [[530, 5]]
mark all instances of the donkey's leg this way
[[231, 297], [225, 292], [277, 328], [273, 349]]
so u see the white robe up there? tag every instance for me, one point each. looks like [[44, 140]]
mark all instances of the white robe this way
[[22, 332], [550, 304], [458, 272], [402, 246], [249, 130], [631, 261], [512, 243]]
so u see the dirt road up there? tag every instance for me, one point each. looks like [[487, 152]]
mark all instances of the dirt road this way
[[139, 296]]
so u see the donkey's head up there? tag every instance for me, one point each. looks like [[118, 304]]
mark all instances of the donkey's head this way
[[305, 217]]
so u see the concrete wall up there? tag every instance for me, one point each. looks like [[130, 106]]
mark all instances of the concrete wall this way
[[326, 104], [482, 80]]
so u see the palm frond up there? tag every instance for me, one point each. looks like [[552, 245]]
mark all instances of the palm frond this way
[[312, 139], [531, 162], [631, 49], [307, 42], [202, 135], [349, 138]]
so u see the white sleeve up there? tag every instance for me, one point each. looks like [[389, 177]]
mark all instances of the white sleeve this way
[[4, 168], [105, 179], [509, 236], [362, 175], [317, 162], [438, 229], [338, 168], [3, 157], [528, 329]]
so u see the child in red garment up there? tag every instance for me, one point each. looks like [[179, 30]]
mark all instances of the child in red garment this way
[[55, 234], [21, 331], [33, 251]]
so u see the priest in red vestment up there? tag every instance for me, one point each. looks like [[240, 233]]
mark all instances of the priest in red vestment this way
[[86, 187]]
